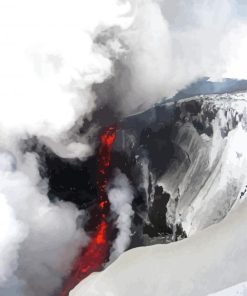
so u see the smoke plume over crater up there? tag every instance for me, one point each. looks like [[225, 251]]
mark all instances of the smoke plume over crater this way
[[171, 44]]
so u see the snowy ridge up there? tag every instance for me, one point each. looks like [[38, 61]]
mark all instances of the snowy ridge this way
[[237, 290], [208, 262]]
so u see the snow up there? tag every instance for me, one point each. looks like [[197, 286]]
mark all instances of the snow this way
[[209, 171], [237, 290], [205, 263]]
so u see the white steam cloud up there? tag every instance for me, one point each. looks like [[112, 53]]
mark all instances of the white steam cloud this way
[[48, 64], [121, 195], [38, 239], [50, 56], [173, 43], [49, 61]]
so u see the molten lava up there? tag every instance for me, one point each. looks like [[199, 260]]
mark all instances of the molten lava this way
[[92, 258]]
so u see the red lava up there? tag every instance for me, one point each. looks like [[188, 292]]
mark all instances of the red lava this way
[[94, 255]]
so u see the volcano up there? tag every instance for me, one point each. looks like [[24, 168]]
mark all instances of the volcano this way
[[123, 148]]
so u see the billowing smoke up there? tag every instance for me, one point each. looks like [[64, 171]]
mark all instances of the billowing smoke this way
[[38, 239], [121, 195], [49, 62], [52, 55], [170, 44]]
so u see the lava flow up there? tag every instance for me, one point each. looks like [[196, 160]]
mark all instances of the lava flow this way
[[94, 255]]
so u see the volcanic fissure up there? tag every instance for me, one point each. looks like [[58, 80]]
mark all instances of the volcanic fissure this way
[[93, 257]]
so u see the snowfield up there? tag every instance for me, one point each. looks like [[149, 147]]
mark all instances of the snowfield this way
[[207, 262], [237, 290]]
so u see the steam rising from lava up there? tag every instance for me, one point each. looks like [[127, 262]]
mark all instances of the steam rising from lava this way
[[121, 195], [35, 234]]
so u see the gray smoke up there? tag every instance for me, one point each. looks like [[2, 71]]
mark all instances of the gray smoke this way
[[170, 44]]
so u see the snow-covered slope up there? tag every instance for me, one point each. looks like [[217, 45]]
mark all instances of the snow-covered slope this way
[[209, 172], [195, 151], [210, 261], [236, 290]]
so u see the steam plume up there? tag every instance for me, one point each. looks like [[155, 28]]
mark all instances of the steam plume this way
[[121, 196], [49, 61], [170, 44], [35, 233]]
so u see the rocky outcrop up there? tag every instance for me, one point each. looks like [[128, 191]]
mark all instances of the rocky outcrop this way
[[194, 150]]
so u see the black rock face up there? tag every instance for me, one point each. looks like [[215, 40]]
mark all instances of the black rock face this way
[[150, 138], [73, 181]]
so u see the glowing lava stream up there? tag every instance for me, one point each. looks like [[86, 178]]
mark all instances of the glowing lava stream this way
[[92, 258]]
